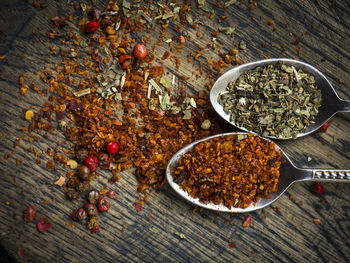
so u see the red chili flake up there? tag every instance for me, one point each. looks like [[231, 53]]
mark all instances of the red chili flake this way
[[91, 26], [43, 224], [29, 214], [95, 229], [138, 207], [324, 127], [231, 244], [296, 41], [247, 221], [318, 188], [76, 105], [111, 194], [21, 252], [317, 221]]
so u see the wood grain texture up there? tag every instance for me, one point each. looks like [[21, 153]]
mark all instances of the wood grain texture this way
[[288, 235]]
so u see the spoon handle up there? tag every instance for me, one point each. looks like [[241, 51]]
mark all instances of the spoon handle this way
[[344, 106], [331, 175]]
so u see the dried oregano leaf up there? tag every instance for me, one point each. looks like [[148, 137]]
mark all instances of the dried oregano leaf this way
[[277, 100]]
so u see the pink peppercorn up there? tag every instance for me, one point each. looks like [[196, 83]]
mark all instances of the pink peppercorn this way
[[91, 26], [318, 188]]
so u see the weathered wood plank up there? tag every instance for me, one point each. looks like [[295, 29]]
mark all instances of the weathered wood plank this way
[[286, 235]]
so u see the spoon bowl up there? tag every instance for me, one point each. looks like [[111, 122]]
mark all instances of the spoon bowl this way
[[288, 175], [330, 105]]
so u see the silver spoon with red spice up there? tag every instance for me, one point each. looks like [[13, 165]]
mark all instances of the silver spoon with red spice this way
[[288, 175], [330, 104]]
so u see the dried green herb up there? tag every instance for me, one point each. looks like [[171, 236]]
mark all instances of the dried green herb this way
[[276, 100]]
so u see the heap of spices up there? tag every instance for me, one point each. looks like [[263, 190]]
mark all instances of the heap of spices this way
[[233, 170], [277, 100], [114, 103]]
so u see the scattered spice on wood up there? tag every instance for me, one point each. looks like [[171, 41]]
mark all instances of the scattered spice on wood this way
[[324, 127], [29, 214], [318, 188], [316, 221], [233, 170], [247, 221], [43, 224]]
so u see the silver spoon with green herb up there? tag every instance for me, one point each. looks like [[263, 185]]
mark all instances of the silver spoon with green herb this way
[[288, 174], [276, 98]]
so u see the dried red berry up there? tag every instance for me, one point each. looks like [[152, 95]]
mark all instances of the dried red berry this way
[[95, 229], [21, 252], [103, 204], [43, 224], [324, 127], [126, 64], [111, 194], [29, 214], [93, 196], [90, 209], [92, 163], [103, 160], [140, 51], [79, 214], [112, 148], [247, 221], [318, 188], [91, 26]]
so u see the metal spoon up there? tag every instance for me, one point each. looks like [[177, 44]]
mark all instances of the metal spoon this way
[[330, 105], [288, 175]]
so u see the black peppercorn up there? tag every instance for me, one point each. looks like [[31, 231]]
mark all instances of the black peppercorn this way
[[84, 172]]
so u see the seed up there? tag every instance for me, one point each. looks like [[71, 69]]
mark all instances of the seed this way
[[29, 214], [111, 194], [206, 124], [92, 26], [112, 148], [92, 163], [29, 115], [43, 224], [72, 164], [93, 196], [84, 172], [103, 161], [95, 229], [90, 209], [140, 51], [79, 214], [318, 188], [103, 204], [324, 127]]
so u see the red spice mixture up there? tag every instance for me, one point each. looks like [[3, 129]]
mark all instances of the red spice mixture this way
[[234, 170], [114, 103]]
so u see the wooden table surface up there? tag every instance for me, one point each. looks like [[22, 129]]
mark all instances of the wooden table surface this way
[[283, 232]]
